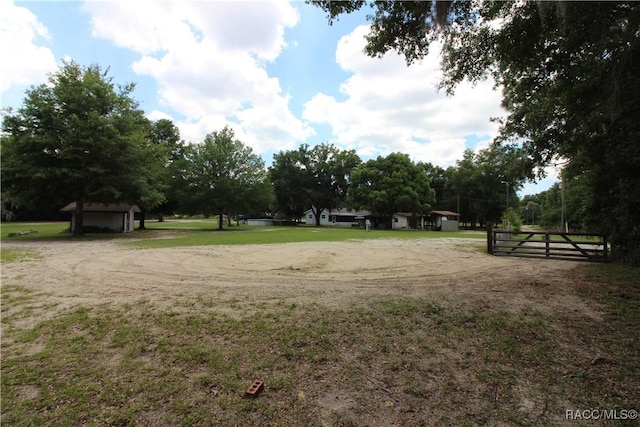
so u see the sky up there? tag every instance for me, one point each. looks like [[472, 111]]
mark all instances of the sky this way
[[274, 71]]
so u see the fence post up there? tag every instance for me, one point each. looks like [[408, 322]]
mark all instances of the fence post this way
[[489, 238], [547, 239]]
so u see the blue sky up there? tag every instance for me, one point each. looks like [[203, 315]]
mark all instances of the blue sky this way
[[274, 71]]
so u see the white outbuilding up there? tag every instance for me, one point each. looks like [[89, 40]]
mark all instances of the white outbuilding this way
[[117, 218]]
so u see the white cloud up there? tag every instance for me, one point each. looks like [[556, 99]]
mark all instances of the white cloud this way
[[389, 106], [142, 26], [208, 59], [256, 27], [25, 60]]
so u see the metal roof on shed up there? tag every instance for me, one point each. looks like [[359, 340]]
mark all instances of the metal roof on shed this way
[[444, 213], [101, 207]]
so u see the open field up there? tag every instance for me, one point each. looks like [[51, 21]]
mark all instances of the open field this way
[[364, 331], [203, 232]]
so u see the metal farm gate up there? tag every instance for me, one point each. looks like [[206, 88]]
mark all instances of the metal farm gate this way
[[557, 245]]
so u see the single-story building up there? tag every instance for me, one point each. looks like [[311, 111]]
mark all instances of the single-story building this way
[[342, 217], [435, 220], [401, 220], [443, 220], [117, 218]]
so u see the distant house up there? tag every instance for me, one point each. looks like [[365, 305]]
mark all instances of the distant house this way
[[435, 220], [341, 217], [117, 218], [403, 220], [443, 220]]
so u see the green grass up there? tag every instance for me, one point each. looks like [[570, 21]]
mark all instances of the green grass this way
[[612, 273], [18, 254], [179, 233], [43, 231], [408, 361], [53, 231], [188, 224], [204, 232]]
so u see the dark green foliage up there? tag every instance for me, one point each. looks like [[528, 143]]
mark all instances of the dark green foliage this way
[[166, 138], [316, 178], [439, 181], [530, 209], [482, 185], [290, 182], [391, 184], [223, 176]]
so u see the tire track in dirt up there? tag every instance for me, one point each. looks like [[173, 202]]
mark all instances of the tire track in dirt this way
[[330, 273]]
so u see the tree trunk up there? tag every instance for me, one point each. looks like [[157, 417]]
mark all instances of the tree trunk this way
[[317, 214], [143, 213], [78, 217], [220, 220]]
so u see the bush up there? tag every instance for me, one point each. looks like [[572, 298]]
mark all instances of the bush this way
[[511, 220]]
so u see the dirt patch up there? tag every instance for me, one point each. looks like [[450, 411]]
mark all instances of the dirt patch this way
[[327, 273]]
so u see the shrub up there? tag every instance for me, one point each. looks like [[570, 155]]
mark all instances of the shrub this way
[[511, 220]]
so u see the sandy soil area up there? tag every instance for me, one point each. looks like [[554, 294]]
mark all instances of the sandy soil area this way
[[70, 274]]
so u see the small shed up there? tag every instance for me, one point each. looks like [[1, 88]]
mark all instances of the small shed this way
[[443, 220], [401, 220], [117, 218]]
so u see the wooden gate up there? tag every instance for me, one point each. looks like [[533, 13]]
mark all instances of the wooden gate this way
[[571, 246]]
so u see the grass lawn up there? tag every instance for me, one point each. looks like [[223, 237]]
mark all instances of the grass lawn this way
[[178, 233], [191, 235], [36, 230]]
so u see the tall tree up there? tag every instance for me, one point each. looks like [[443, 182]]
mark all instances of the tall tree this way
[[391, 184], [530, 210], [485, 183], [290, 184], [328, 169], [568, 71], [315, 177], [78, 138], [438, 181], [164, 135], [224, 176]]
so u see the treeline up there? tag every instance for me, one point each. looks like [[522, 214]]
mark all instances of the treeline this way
[[81, 138]]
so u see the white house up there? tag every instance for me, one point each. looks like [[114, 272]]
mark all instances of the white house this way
[[341, 217], [115, 217]]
